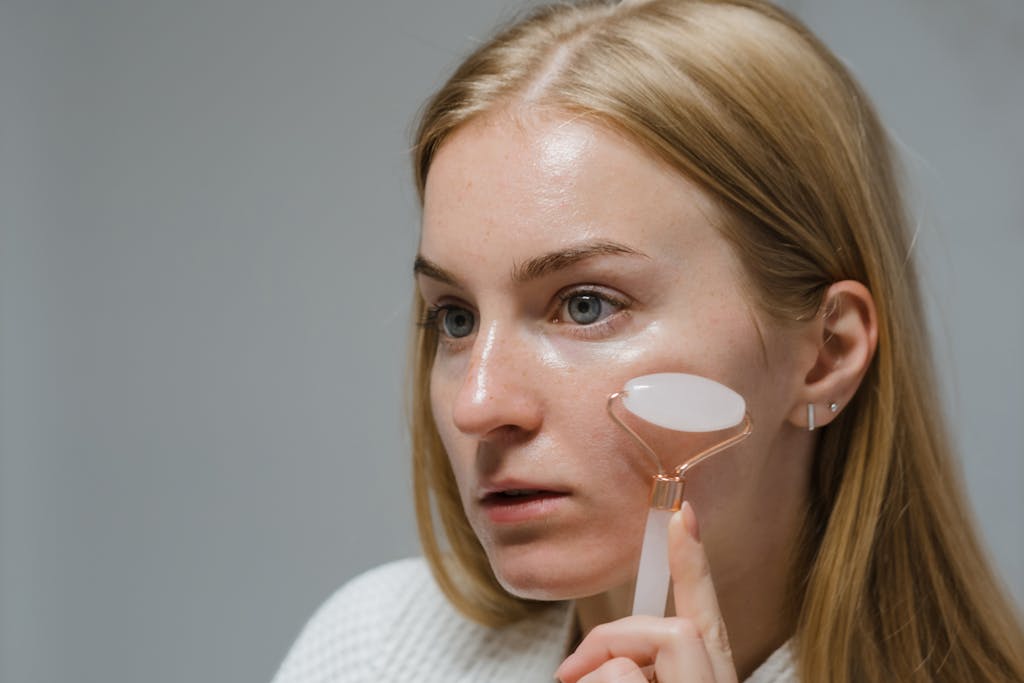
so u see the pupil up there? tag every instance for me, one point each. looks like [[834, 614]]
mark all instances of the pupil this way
[[584, 309], [458, 322]]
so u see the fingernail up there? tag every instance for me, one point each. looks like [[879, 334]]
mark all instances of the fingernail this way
[[690, 521]]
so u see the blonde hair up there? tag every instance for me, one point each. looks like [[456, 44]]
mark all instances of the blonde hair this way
[[740, 97]]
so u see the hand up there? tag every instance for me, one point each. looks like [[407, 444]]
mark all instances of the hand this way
[[690, 647]]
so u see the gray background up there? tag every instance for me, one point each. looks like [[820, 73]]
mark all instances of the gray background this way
[[207, 225]]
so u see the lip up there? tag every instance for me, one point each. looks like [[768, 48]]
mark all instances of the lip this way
[[491, 487], [512, 502]]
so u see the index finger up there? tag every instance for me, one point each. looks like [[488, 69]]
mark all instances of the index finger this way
[[693, 590]]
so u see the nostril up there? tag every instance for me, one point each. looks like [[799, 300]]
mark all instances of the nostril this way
[[498, 417], [507, 435]]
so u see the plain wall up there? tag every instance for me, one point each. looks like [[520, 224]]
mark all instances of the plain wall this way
[[207, 226]]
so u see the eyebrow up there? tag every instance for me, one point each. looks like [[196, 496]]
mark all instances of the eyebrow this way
[[424, 266], [538, 266]]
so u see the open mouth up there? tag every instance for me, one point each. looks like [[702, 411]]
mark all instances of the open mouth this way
[[520, 502], [519, 497]]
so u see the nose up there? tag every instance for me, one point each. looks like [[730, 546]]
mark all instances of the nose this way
[[499, 394]]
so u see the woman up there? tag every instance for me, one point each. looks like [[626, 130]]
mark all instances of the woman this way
[[611, 190]]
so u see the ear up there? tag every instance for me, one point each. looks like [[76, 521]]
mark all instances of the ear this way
[[846, 333]]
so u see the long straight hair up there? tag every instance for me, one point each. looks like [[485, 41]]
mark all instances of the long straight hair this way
[[740, 97]]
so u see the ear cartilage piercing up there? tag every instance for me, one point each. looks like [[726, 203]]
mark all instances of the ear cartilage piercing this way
[[683, 403], [833, 406], [810, 417]]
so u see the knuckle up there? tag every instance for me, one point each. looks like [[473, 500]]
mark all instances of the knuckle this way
[[681, 628], [703, 570], [622, 670], [620, 666], [717, 636], [714, 635]]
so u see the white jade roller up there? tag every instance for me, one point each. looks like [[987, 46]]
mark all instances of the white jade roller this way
[[684, 403]]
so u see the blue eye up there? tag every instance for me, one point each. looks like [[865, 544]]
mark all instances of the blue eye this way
[[584, 309], [457, 322]]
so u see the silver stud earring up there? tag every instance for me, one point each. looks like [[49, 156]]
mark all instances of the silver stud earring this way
[[810, 417], [833, 406]]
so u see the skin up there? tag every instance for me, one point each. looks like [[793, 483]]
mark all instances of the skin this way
[[522, 212]]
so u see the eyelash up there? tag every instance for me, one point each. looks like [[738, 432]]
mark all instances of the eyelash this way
[[432, 316], [598, 329]]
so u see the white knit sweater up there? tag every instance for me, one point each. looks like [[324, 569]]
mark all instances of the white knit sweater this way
[[394, 624]]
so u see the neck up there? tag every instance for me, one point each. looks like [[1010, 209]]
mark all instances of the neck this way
[[604, 607], [753, 594], [751, 546], [755, 632], [752, 640]]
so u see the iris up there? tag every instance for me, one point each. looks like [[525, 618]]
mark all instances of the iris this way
[[584, 309]]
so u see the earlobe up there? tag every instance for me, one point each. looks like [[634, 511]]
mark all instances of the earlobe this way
[[847, 333], [812, 421]]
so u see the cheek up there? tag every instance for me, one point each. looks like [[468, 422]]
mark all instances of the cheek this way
[[441, 394], [444, 386]]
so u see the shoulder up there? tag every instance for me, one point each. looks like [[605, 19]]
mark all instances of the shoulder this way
[[393, 622], [380, 596], [780, 667], [344, 637]]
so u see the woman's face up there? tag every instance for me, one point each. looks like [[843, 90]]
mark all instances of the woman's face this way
[[559, 261]]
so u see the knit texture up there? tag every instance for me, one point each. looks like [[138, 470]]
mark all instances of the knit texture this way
[[394, 624]]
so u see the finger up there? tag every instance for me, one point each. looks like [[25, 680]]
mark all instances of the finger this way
[[618, 670], [673, 645], [694, 592], [622, 638], [686, 660]]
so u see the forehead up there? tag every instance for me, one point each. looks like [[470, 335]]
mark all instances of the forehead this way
[[534, 182]]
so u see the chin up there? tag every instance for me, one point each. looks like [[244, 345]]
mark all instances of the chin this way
[[554, 578]]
